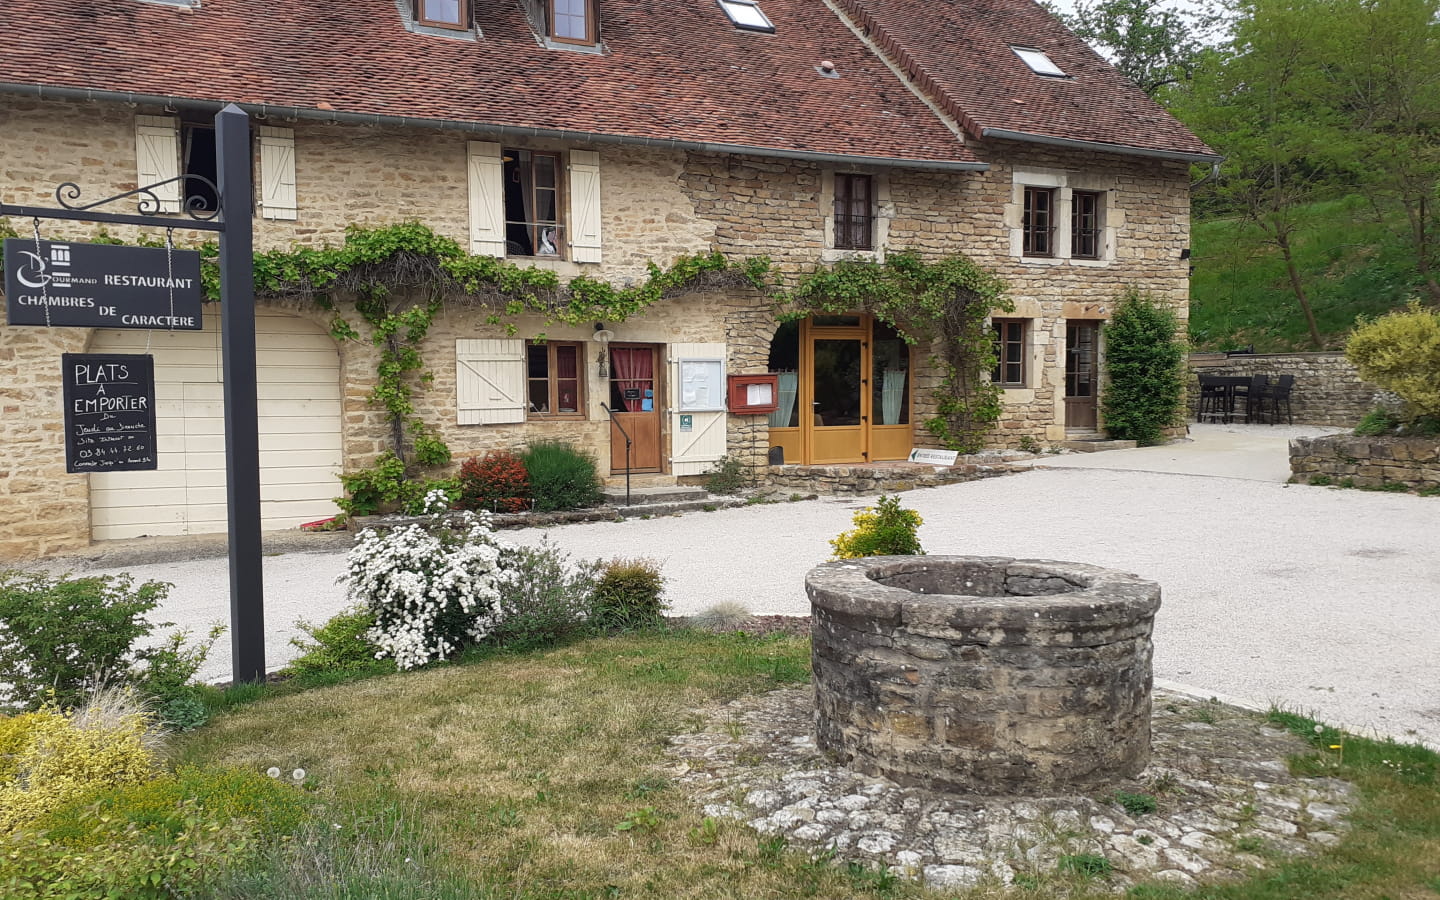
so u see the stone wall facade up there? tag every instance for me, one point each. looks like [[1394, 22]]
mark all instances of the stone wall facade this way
[[983, 675], [1367, 462], [656, 204], [1327, 390]]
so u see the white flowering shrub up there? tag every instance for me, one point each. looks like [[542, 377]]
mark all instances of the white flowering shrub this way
[[432, 586]]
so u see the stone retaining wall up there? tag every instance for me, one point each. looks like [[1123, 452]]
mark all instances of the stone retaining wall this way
[[1327, 391], [1354, 461], [859, 480]]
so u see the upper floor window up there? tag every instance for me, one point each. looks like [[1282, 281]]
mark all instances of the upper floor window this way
[[1039, 62], [572, 21], [197, 157], [747, 14], [1038, 224], [443, 13], [1085, 237], [854, 212], [532, 203]]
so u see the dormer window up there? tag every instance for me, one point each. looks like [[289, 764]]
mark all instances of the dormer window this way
[[746, 14], [443, 13], [1038, 62], [572, 21]]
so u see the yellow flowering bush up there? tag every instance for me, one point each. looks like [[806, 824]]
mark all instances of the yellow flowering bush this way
[[885, 529], [49, 757]]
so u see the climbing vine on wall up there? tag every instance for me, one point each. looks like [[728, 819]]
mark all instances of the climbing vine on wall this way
[[948, 302], [400, 276]]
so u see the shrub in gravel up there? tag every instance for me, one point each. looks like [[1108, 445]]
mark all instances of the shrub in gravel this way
[[497, 482], [338, 646], [885, 529]]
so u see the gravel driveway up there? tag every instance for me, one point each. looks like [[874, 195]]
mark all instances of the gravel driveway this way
[[1321, 600]]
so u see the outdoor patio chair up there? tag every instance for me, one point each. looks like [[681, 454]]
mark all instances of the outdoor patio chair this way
[[1280, 395], [1214, 400], [1256, 395]]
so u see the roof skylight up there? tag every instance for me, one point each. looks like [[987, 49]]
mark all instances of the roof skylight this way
[[1038, 62], [746, 14]]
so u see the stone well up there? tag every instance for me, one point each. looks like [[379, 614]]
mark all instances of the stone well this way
[[981, 674]]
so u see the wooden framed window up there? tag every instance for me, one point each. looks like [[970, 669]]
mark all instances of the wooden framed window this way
[[555, 384], [1039, 222], [1009, 352], [854, 212], [572, 21], [532, 203], [443, 13], [1085, 238]]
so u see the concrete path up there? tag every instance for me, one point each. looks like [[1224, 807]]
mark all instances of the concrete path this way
[[1318, 599]]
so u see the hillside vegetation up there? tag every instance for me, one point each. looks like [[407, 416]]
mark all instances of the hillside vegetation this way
[[1350, 262]]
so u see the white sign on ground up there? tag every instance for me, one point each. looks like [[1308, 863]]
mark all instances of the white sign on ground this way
[[934, 457]]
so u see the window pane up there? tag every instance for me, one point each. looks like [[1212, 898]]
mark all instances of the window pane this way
[[890, 388], [570, 16], [447, 11], [565, 364], [545, 171], [568, 395], [537, 358], [539, 396], [747, 14]]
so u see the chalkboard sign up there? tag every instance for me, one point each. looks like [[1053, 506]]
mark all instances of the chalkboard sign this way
[[109, 412]]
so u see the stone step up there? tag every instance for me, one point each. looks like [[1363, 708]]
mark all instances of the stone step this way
[[708, 504], [1096, 444], [671, 493]]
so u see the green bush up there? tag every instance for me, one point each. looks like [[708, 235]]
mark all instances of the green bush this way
[[727, 476], [561, 477], [885, 529], [58, 634], [543, 598], [1400, 352], [168, 678], [1378, 421], [628, 596], [381, 487], [338, 646], [1145, 372], [159, 806], [121, 861]]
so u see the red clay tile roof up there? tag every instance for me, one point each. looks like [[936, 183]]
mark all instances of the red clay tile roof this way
[[958, 51], [674, 71]]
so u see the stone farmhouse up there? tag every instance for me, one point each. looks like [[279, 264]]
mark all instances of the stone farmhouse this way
[[588, 137]]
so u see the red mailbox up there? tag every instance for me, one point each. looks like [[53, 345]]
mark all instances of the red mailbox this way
[[753, 395]]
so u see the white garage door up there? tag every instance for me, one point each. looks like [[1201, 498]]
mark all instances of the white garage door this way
[[298, 372]]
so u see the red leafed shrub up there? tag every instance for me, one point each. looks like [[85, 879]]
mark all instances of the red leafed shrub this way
[[498, 482]]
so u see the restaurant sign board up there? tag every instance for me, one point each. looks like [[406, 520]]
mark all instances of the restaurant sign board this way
[[64, 283], [109, 412]]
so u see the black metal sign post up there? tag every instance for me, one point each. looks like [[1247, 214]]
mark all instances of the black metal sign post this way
[[242, 431], [232, 220]]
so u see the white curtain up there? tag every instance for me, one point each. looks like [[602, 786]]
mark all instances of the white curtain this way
[[892, 396], [789, 383]]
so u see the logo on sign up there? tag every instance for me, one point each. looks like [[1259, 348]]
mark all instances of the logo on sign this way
[[33, 272]]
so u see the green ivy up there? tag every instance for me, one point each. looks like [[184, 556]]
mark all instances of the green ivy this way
[[948, 302], [400, 275]]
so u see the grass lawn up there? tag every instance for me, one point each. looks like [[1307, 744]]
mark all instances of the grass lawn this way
[[542, 776]]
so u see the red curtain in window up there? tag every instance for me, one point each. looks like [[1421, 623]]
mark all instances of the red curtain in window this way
[[634, 370]]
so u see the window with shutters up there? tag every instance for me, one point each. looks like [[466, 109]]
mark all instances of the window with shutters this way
[[1009, 352], [1038, 224], [554, 380], [854, 212], [533, 226], [197, 157]]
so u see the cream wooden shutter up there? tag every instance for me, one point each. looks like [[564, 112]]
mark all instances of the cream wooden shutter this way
[[585, 206], [487, 199], [157, 158], [489, 381], [695, 451], [277, 173]]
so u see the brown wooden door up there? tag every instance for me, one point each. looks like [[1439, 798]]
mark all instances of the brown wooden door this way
[[635, 398], [1082, 374]]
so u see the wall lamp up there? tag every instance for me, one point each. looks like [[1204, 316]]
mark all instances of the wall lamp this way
[[604, 336]]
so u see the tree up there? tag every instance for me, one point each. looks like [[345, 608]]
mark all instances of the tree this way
[[1270, 109], [1152, 44], [1144, 370]]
